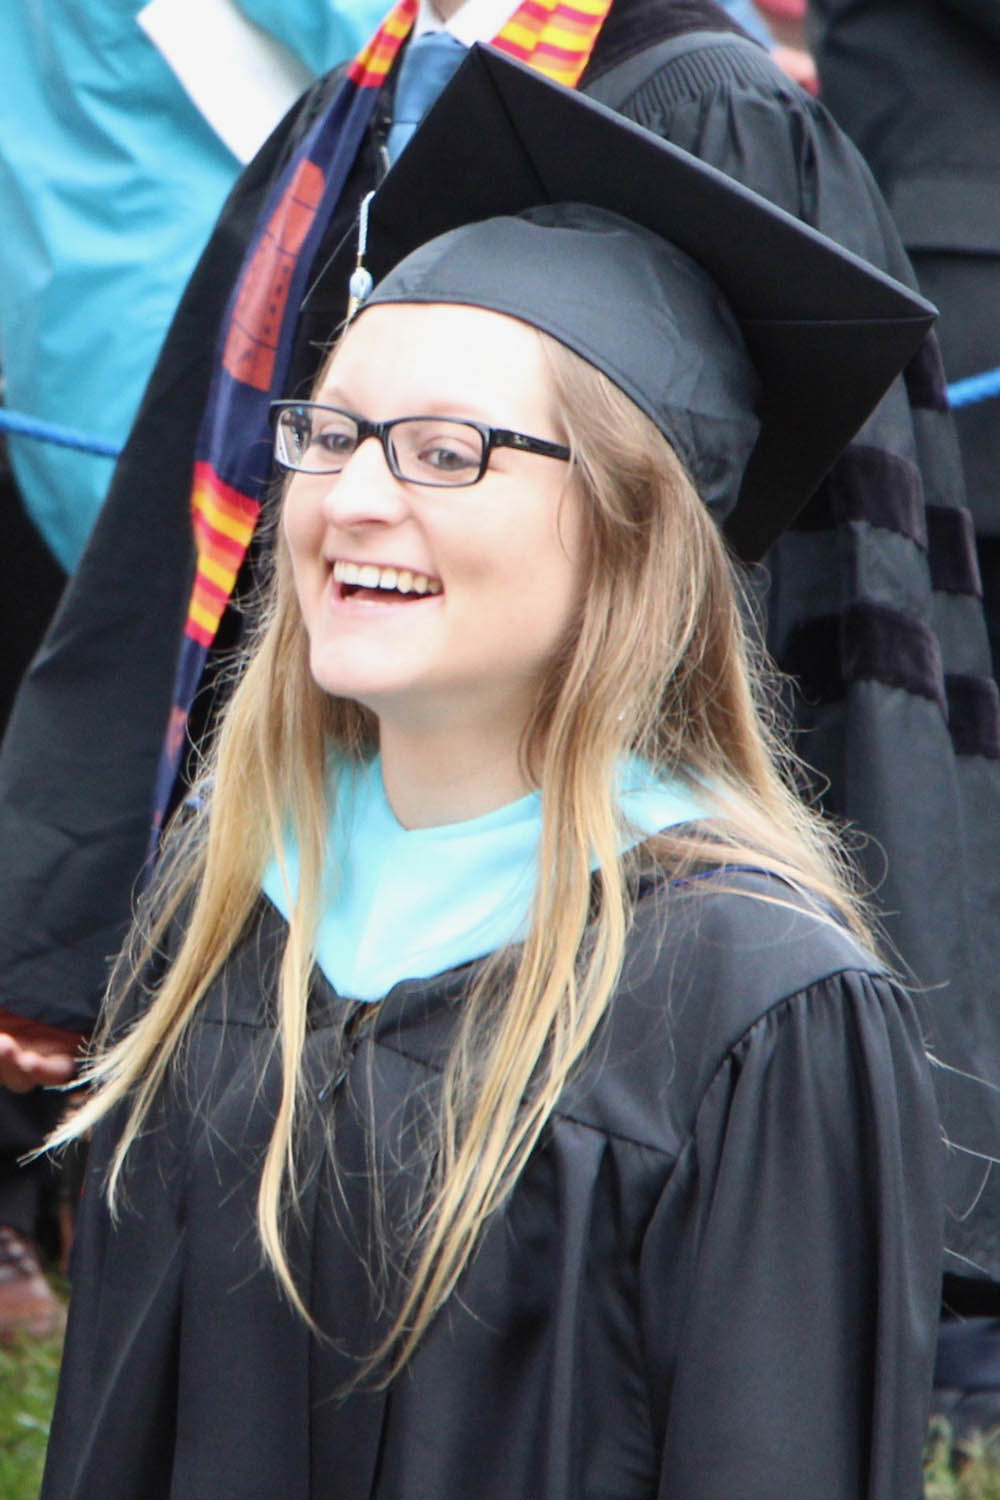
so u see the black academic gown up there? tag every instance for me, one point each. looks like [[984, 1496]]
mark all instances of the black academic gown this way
[[916, 85], [871, 601], [717, 1276]]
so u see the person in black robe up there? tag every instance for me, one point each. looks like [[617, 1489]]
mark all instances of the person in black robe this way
[[567, 1209], [30, 584], [916, 86]]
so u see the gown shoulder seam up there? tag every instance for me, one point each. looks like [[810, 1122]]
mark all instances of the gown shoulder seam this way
[[672, 1151]]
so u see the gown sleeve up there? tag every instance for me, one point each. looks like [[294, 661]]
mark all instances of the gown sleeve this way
[[790, 1273]]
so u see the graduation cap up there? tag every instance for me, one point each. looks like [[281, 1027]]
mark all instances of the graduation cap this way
[[759, 362]]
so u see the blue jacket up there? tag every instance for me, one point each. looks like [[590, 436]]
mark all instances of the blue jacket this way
[[110, 181]]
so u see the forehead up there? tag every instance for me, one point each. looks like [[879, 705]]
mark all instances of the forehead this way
[[410, 357]]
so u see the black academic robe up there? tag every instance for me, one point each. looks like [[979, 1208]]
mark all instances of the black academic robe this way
[[871, 602], [916, 85], [717, 1276], [30, 583]]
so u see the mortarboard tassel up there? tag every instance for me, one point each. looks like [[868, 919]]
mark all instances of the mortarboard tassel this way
[[361, 281]]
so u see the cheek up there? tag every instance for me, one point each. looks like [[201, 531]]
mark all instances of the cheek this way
[[303, 534], [304, 530], [558, 556], [537, 573], [297, 522], [572, 538]]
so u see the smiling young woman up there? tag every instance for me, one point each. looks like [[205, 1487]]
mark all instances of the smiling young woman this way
[[501, 558], [500, 1096]]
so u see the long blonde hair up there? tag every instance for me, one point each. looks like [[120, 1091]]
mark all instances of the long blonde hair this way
[[657, 662]]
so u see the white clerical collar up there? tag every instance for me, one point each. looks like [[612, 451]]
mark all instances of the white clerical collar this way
[[475, 21]]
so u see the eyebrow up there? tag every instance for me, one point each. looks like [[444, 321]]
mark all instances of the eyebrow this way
[[461, 410]]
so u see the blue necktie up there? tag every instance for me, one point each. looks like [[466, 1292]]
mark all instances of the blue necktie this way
[[427, 65]]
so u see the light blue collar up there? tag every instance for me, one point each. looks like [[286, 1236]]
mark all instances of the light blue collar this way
[[407, 903]]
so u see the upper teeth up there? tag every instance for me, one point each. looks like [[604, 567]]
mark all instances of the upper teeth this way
[[369, 576]]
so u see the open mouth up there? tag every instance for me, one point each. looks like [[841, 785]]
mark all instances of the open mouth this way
[[383, 585]]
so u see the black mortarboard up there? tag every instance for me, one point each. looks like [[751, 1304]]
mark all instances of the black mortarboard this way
[[826, 333]]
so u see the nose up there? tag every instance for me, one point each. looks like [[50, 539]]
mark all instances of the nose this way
[[365, 492]]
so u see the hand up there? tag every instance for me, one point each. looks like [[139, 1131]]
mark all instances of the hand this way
[[43, 1060], [799, 66]]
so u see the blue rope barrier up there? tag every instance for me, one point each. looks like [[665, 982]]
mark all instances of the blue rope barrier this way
[[62, 437], [961, 393], [974, 388]]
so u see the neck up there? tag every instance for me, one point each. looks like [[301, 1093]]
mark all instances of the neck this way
[[446, 8], [433, 778]]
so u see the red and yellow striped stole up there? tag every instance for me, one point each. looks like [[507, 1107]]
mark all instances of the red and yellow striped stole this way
[[555, 37]]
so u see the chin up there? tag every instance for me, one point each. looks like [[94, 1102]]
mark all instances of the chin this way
[[351, 679]]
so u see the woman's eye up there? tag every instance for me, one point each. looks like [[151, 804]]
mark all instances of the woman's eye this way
[[448, 457], [339, 443]]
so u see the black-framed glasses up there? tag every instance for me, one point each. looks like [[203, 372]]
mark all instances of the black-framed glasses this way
[[444, 451]]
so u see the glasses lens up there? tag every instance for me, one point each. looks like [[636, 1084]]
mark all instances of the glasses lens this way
[[434, 450], [314, 439]]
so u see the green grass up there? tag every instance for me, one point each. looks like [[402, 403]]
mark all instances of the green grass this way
[[963, 1471], [28, 1373]]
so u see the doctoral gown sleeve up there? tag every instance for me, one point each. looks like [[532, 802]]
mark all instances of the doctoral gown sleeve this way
[[874, 611], [790, 1272]]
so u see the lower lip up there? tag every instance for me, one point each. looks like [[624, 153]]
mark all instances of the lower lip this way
[[358, 604]]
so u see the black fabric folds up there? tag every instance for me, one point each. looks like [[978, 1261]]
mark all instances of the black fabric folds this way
[[972, 714], [952, 548], [926, 384], [717, 1276], [866, 642], [869, 484]]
